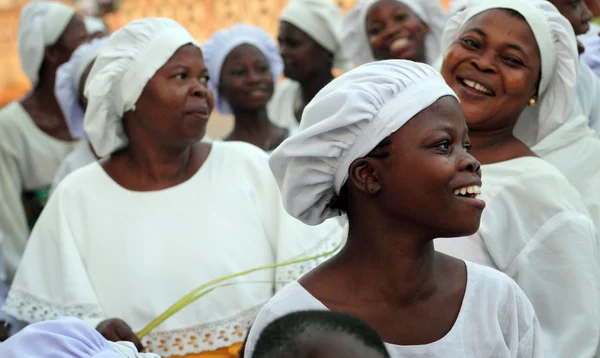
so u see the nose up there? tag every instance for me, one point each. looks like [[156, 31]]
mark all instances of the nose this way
[[468, 163], [200, 89], [586, 15], [484, 62]]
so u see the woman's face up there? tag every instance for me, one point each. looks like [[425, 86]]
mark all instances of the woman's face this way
[[395, 32], [494, 68], [246, 79], [176, 103], [427, 165], [74, 35], [302, 56], [577, 12]]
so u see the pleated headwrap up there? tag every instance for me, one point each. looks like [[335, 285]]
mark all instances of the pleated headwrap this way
[[123, 67], [355, 41], [41, 24], [558, 48], [345, 121]]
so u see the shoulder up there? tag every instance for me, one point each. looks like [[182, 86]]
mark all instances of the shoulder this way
[[11, 119], [240, 157], [90, 177]]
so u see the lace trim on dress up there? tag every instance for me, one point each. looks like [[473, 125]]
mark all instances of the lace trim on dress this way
[[201, 338], [29, 308]]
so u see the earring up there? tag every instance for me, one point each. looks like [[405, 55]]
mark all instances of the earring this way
[[531, 102]]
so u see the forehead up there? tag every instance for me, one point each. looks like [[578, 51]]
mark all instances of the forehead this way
[[288, 29], [244, 53], [382, 7]]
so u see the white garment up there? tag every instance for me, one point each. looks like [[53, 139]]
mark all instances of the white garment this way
[[81, 156], [101, 251], [588, 96], [281, 107], [495, 320], [29, 159], [535, 229]]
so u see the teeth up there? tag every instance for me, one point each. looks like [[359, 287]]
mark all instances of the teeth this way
[[477, 86], [399, 44], [473, 190], [463, 191], [470, 190]]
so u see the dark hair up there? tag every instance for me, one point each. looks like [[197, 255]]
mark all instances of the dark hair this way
[[341, 202], [285, 336]]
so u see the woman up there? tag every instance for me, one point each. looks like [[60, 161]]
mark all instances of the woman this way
[[387, 144], [503, 58], [245, 65], [309, 43], [122, 240], [393, 29], [70, 81]]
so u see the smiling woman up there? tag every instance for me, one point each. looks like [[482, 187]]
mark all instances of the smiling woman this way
[[505, 58]]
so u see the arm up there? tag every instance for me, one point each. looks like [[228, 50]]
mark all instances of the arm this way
[[558, 271]]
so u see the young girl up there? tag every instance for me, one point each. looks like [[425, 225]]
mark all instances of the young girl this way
[[387, 144]]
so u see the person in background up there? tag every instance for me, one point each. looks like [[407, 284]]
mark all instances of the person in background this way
[[70, 80], [95, 27], [376, 30], [245, 65], [387, 145], [319, 334], [504, 58], [122, 240], [66, 337], [309, 43], [591, 41], [34, 136]]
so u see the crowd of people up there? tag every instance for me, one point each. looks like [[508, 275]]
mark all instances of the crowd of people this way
[[439, 198]]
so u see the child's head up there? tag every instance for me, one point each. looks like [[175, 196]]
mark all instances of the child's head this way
[[319, 334]]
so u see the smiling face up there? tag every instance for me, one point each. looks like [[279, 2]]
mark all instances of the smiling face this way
[[577, 12], [246, 79], [175, 105], [425, 176], [395, 32], [494, 68]]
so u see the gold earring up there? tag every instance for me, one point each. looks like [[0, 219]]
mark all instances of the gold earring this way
[[531, 102]]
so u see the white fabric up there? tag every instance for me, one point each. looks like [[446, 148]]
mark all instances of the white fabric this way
[[41, 24], [29, 159], [355, 42], [591, 56], [94, 25], [558, 49], [220, 45], [66, 87], [536, 230], [281, 106], [321, 20], [345, 121], [588, 92], [495, 320], [100, 251], [126, 63], [81, 156]]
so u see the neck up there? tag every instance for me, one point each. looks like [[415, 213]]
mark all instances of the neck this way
[[314, 84], [43, 96], [252, 121], [488, 146], [159, 165]]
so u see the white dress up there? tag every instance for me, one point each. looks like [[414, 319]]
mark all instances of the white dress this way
[[588, 95], [495, 320], [536, 230], [281, 105], [100, 251], [81, 156], [29, 159]]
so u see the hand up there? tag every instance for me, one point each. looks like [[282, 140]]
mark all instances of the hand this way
[[4, 331], [115, 330], [580, 47]]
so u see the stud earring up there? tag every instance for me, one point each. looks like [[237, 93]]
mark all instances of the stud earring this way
[[531, 102]]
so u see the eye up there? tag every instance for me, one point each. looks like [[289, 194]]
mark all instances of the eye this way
[[238, 72], [469, 42], [180, 76], [263, 69], [575, 4], [204, 79], [513, 61], [401, 17], [443, 147], [467, 147]]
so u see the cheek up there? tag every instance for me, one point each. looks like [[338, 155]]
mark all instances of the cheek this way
[[376, 41], [453, 57], [517, 85]]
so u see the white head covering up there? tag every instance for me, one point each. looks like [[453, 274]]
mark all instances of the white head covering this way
[[558, 48], [41, 24], [222, 42], [65, 338], [322, 21], [355, 41], [66, 88], [94, 24], [345, 121], [123, 67]]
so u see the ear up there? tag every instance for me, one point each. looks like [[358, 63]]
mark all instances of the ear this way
[[51, 54], [363, 176]]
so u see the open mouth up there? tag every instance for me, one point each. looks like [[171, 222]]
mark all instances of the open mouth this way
[[399, 44], [476, 86], [471, 191]]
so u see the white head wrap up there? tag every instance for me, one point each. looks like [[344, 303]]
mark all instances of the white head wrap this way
[[222, 42], [66, 87], [355, 41], [123, 67], [41, 24], [94, 24], [345, 121], [322, 21], [559, 57]]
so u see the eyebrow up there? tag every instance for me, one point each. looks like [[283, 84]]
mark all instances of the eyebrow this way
[[477, 30], [482, 33]]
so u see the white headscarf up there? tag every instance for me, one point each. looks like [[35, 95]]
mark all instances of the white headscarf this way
[[322, 21], [558, 49], [123, 67], [66, 88], [41, 24], [345, 121], [65, 338], [222, 42], [94, 24], [355, 41]]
